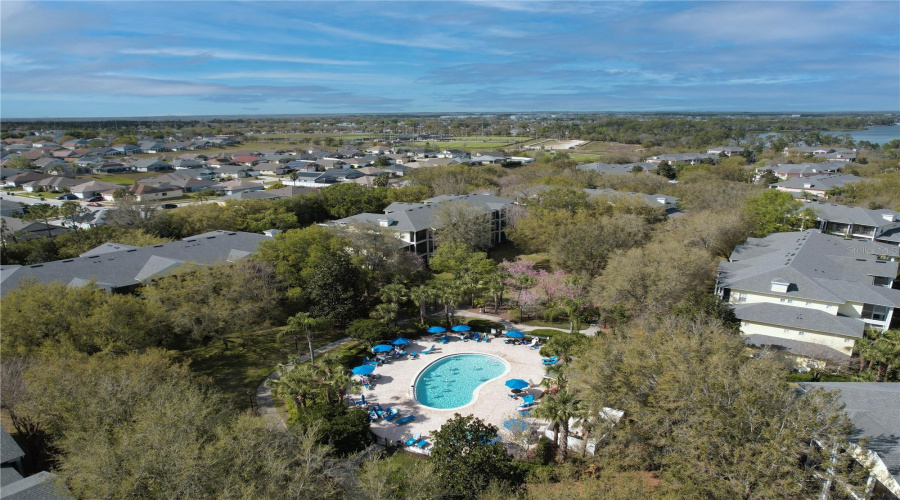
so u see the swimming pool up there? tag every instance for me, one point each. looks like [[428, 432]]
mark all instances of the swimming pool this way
[[450, 382]]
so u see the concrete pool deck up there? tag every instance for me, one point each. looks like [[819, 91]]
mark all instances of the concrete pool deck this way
[[492, 403]]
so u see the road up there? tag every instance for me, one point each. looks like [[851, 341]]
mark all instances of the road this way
[[31, 201]]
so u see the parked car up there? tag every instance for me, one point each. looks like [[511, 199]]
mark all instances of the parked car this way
[[96, 198], [94, 204], [169, 205], [67, 197]]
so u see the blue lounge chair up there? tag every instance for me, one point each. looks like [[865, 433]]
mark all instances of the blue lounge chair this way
[[527, 402], [373, 362], [445, 339], [476, 337], [373, 416], [414, 355], [390, 413], [413, 440], [550, 361], [422, 444], [407, 419], [429, 350]]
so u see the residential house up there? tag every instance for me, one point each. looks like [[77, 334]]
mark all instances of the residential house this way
[[453, 153], [127, 149], [20, 180], [8, 208], [726, 150], [54, 184], [34, 154], [689, 158], [815, 186], [378, 150], [125, 268], [358, 162], [75, 144], [93, 188], [414, 223], [790, 170], [857, 222], [835, 156], [272, 168], [247, 160], [237, 186], [146, 192], [186, 164], [313, 179], [810, 293], [6, 173], [193, 157], [815, 150], [14, 486], [236, 171], [433, 162], [329, 163], [304, 166], [616, 168], [873, 408], [486, 159], [20, 230], [150, 165], [89, 162], [152, 147], [64, 154], [51, 164]]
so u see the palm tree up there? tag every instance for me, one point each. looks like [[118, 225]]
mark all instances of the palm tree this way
[[386, 312], [294, 383], [864, 349], [558, 409], [588, 422], [448, 293], [304, 323], [494, 286], [393, 295], [421, 296]]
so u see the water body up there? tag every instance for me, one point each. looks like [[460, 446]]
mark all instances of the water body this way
[[875, 135]]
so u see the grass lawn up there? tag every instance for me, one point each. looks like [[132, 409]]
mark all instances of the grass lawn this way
[[463, 145], [509, 251], [250, 358]]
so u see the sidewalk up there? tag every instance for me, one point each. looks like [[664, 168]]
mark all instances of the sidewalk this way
[[509, 325], [265, 405]]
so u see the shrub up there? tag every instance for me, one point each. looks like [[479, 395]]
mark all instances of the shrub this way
[[484, 325]]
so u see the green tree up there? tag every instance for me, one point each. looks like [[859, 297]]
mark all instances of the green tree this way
[[293, 254], [371, 332], [307, 325], [467, 457], [772, 211], [19, 162], [558, 409], [42, 212], [348, 198], [334, 289], [421, 296]]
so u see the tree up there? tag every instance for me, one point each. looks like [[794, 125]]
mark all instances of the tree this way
[[740, 434], [396, 478], [564, 344], [585, 245], [42, 212], [205, 194], [293, 254], [334, 289], [772, 211], [19, 162], [134, 214], [467, 457], [463, 224], [375, 250], [371, 332], [421, 296], [558, 409], [666, 170], [346, 199], [304, 323]]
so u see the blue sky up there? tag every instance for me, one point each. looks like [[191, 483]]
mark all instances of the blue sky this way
[[87, 59]]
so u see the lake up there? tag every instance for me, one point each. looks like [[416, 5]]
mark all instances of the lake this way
[[875, 135]]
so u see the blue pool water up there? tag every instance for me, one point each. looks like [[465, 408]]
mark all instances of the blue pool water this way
[[451, 382]]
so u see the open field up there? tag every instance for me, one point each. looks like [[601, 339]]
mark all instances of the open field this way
[[464, 145], [607, 147]]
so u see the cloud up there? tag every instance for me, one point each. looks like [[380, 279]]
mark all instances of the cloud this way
[[238, 56]]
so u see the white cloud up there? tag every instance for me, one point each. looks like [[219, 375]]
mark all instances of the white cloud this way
[[238, 56]]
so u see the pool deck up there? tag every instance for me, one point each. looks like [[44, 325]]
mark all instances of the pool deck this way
[[492, 403]]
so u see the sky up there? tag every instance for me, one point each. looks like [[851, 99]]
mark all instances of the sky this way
[[162, 58]]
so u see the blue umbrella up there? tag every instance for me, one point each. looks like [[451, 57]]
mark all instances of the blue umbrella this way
[[436, 329], [515, 334], [516, 424], [400, 341], [363, 370], [517, 383], [383, 348], [461, 328]]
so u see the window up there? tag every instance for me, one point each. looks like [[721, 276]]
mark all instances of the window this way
[[808, 303], [787, 330], [800, 333], [881, 281], [786, 301]]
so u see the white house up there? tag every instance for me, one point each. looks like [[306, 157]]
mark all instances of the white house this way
[[810, 293]]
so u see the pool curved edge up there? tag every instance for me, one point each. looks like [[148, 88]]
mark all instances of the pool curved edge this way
[[475, 393]]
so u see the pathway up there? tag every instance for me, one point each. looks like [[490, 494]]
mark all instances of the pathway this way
[[265, 405], [509, 325]]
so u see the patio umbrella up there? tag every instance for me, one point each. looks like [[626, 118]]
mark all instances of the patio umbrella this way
[[383, 348], [461, 328], [436, 329], [363, 370], [516, 383], [514, 334], [400, 341], [516, 424]]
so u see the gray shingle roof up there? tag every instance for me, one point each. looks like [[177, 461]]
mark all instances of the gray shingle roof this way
[[40, 486], [800, 348], [9, 449], [488, 201], [8, 475], [854, 215], [615, 168], [873, 408], [799, 318], [128, 267], [667, 202], [818, 183], [818, 266]]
